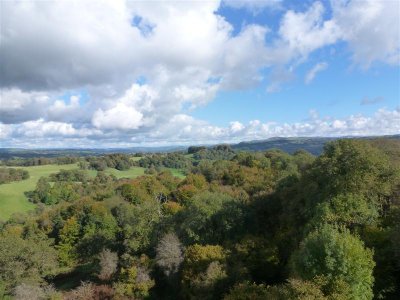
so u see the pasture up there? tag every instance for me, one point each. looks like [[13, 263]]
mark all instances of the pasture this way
[[131, 173], [13, 199]]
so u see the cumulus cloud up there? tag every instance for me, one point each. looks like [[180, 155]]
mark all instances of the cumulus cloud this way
[[187, 129], [184, 129], [64, 44], [304, 32], [236, 126], [119, 117], [184, 53], [40, 128], [371, 28], [62, 111], [314, 70], [19, 106], [5, 131]]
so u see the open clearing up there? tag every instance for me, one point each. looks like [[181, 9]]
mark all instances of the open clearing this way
[[131, 173], [12, 197]]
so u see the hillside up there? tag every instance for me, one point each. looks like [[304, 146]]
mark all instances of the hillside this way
[[290, 145], [313, 145]]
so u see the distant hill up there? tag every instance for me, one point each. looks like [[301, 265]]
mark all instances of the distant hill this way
[[313, 145], [8, 153], [290, 145]]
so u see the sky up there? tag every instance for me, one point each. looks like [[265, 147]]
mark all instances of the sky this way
[[115, 73]]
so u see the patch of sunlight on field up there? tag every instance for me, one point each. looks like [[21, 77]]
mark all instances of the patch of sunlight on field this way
[[131, 173], [135, 158], [12, 197], [177, 173]]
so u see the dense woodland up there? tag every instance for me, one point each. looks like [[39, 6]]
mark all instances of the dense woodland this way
[[241, 225]]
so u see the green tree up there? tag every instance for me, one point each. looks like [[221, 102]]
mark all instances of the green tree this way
[[338, 257], [69, 236], [347, 209], [98, 229], [139, 225], [134, 278], [292, 290], [197, 225], [353, 166], [25, 260]]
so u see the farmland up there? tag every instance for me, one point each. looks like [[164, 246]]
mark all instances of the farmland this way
[[13, 199]]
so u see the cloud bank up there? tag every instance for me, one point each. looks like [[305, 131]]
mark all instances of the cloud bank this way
[[146, 67]]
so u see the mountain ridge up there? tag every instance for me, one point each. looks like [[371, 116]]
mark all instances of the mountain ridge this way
[[313, 145]]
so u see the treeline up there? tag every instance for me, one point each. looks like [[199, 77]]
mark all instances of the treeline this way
[[261, 225], [100, 163], [179, 160], [10, 174], [40, 161], [70, 186], [219, 152], [164, 160]]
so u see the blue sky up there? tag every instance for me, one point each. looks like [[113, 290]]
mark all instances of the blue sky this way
[[337, 91], [125, 73]]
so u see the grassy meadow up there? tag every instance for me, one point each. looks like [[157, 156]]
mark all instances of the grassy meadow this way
[[131, 173], [12, 197]]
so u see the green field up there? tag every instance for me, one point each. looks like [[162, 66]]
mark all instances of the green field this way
[[131, 173], [12, 197], [134, 172], [135, 158], [177, 173]]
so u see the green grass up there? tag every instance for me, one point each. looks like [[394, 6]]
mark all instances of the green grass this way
[[134, 172], [12, 197], [135, 158], [177, 173], [131, 173]]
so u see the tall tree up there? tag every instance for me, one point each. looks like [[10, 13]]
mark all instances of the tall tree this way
[[336, 259]]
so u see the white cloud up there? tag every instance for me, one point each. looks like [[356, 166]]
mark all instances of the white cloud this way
[[371, 28], [61, 111], [236, 127], [383, 122], [184, 129], [304, 32], [314, 70], [40, 128], [185, 52], [18, 106], [5, 131], [119, 117]]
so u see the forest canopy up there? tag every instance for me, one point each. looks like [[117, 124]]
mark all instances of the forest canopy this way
[[239, 225]]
